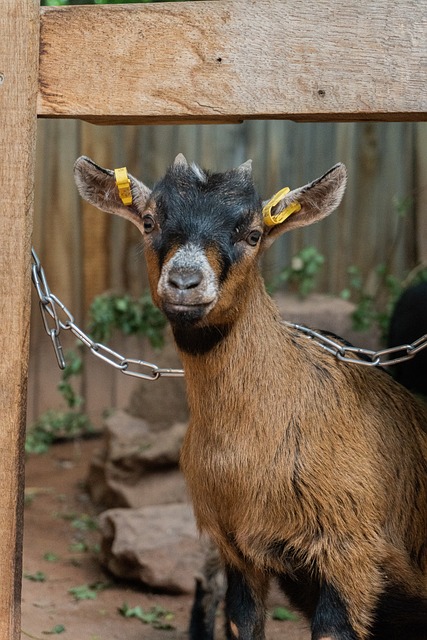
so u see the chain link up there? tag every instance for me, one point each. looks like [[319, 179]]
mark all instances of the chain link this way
[[367, 357], [57, 317]]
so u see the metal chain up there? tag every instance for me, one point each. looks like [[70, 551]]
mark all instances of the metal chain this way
[[367, 357], [56, 317]]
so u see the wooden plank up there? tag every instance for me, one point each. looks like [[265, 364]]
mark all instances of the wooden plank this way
[[229, 60], [95, 226], [56, 237], [19, 32], [421, 193], [59, 247]]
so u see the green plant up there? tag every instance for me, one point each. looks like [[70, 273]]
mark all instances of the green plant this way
[[38, 576], [80, 521], [131, 316], [87, 591], [84, 547], [302, 271], [156, 616], [52, 425], [281, 613], [374, 306], [84, 522], [57, 629], [73, 369], [375, 298], [108, 312]]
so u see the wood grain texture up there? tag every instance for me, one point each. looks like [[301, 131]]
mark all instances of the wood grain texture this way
[[230, 60], [95, 226], [19, 31], [421, 194]]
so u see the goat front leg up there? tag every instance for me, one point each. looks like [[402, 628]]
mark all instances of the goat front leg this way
[[245, 604], [331, 621], [210, 591]]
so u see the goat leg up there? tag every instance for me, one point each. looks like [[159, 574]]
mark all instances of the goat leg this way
[[331, 621], [245, 604]]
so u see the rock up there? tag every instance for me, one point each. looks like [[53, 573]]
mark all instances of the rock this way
[[320, 311], [156, 488], [134, 448], [127, 472], [157, 546]]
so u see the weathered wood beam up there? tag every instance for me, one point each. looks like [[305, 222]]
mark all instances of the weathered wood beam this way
[[230, 60], [19, 33]]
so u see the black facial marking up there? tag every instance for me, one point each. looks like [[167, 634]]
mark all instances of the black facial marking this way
[[198, 341], [205, 210]]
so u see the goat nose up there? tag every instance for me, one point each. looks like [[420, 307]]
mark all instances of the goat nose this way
[[183, 280]]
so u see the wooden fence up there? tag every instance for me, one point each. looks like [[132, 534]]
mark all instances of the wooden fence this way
[[85, 252]]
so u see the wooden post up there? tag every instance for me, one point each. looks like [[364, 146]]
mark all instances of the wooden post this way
[[19, 35], [421, 195]]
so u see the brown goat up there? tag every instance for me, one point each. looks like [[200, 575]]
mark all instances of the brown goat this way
[[299, 466]]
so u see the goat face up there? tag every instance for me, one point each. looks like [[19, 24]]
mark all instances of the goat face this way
[[200, 231], [203, 232]]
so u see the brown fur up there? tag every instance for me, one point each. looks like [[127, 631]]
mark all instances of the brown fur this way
[[330, 459]]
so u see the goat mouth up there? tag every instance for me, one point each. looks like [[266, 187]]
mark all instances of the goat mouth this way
[[186, 313]]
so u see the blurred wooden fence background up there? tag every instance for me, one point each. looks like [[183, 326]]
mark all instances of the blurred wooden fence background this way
[[85, 252]]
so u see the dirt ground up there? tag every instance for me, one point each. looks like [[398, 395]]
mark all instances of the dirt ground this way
[[60, 553]]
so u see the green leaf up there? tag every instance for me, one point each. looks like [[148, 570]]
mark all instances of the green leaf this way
[[156, 616], [52, 425], [87, 591], [79, 547], [281, 613], [84, 522], [51, 557], [58, 628], [131, 316], [38, 576]]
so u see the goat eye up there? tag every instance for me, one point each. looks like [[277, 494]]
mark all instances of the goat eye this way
[[253, 237], [148, 223]]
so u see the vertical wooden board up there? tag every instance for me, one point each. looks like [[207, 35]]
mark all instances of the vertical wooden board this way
[[421, 191], [19, 32], [95, 143], [341, 245], [58, 210], [57, 240], [132, 154], [187, 138], [99, 388]]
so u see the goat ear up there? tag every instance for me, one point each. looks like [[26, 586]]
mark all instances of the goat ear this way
[[98, 186], [316, 200]]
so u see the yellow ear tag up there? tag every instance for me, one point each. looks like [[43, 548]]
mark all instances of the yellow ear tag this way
[[271, 220], [123, 185]]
